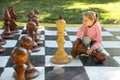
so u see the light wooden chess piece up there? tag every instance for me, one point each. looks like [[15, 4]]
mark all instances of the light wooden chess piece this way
[[60, 57], [31, 72], [19, 56]]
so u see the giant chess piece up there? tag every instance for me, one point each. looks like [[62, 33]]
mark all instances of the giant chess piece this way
[[30, 29], [2, 49], [19, 56], [29, 15], [7, 33], [79, 48], [36, 11], [37, 35], [2, 41], [13, 18], [30, 72], [60, 57]]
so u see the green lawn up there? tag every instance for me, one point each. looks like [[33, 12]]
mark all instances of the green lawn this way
[[109, 10]]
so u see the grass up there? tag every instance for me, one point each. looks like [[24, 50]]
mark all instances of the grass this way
[[21, 24], [50, 10]]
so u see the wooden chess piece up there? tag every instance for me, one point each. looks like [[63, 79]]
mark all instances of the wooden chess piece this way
[[31, 72], [13, 18], [37, 38], [2, 41], [2, 49], [29, 15], [60, 57], [36, 11], [37, 35], [30, 29], [36, 21], [7, 33], [19, 56]]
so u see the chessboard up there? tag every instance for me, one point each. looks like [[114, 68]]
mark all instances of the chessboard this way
[[80, 68]]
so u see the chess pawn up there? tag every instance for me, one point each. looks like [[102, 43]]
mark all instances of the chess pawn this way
[[29, 15], [36, 11], [37, 35], [31, 33], [36, 21], [13, 18], [37, 39], [30, 72], [60, 57], [2, 41], [19, 56], [7, 33]]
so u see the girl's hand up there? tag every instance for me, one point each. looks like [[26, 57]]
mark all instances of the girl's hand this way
[[84, 25], [89, 51]]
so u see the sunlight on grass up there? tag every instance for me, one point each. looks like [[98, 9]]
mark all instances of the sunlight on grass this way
[[21, 24], [111, 10], [43, 16]]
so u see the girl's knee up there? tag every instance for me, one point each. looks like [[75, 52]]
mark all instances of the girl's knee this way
[[86, 40]]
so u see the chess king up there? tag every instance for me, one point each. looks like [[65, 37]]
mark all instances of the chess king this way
[[60, 57]]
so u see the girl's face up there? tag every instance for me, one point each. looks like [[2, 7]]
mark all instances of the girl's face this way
[[87, 22]]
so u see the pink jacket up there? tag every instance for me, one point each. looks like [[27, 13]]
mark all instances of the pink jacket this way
[[94, 33]]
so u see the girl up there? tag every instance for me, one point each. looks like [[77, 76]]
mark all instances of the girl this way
[[90, 36]]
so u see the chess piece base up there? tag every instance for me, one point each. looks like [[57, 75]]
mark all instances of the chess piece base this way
[[39, 42], [31, 73], [16, 31], [35, 49], [2, 49], [7, 35], [2, 42], [60, 61]]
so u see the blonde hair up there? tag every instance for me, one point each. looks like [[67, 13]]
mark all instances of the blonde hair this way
[[91, 15]]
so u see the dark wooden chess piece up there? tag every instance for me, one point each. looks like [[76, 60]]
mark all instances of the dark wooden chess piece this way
[[32, 15], [2, 49], [36, 21], [36, 11], [19, 56], [7, 33], [31, 32], [13, 18], [29, 15], [2, 41], [31, 72], [37, 35]]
